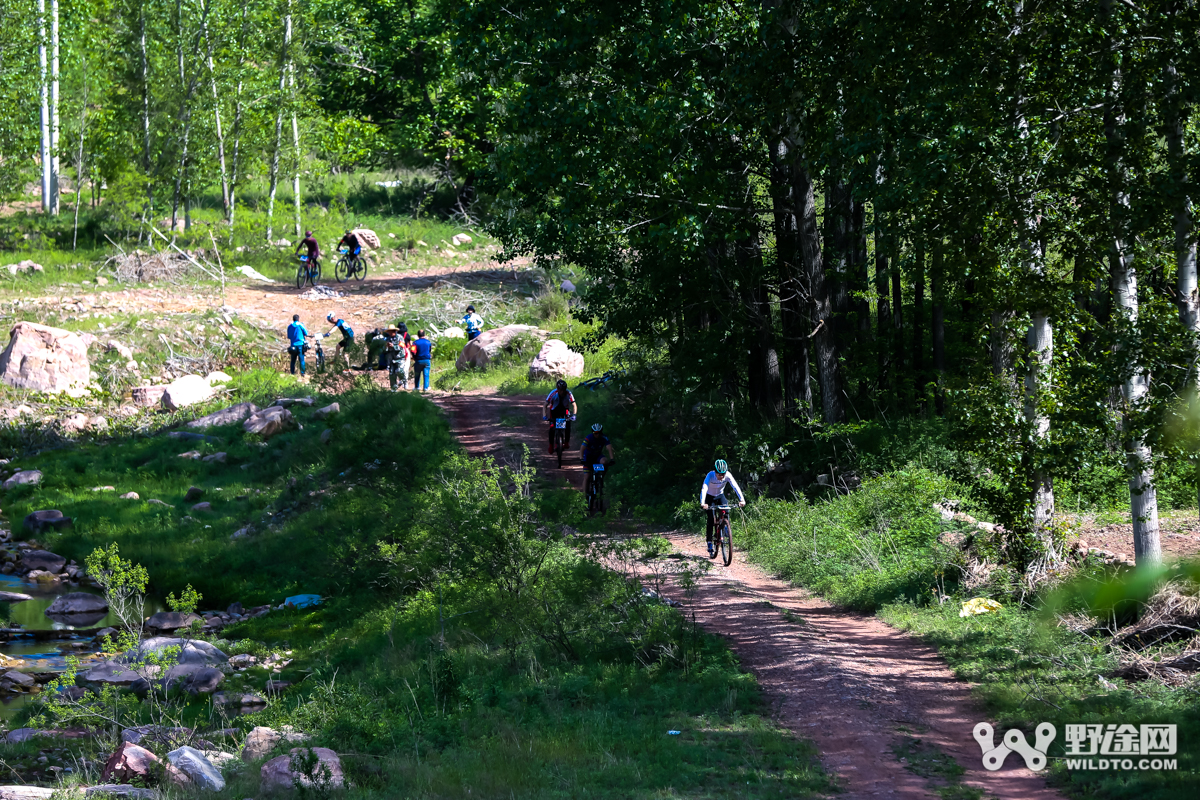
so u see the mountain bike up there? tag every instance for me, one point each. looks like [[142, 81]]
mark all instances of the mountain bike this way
[[596, 490], [350, 266], [560, 438], [723, 534], [307, 271]]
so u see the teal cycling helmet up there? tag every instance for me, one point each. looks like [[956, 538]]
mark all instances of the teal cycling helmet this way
[[720, 467], [597, 427]]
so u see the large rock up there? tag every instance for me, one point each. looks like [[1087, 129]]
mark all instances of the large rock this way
[[133, 762], [110, 673], [269, 421], [186, 391], [192, 762], [77, 603], [26, 793], [43, 560], [50, 519], [555, 360], [13, 681], [217, 378], [148, 396], [261, 741], [283, 773], [170, 621], [121, 791], [45, 359], [480, 351], [367, 238], [193, 678], [26, 477], [190, 651], [327, 411], [226, 416]]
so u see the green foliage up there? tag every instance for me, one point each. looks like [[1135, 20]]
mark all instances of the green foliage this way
[[864, 549]]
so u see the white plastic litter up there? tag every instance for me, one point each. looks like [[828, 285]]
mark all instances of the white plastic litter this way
[[321, 293], [251, 272]]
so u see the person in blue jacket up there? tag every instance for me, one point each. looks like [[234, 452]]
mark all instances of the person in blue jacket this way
[[297, 335], [422, 350]]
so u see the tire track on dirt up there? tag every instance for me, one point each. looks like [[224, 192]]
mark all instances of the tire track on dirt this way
[[853, 685]]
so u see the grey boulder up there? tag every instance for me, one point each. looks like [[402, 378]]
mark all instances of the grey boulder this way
[[191, 651], [192, 762], [283, 773], [26, 477], [77, 603], [226, 416], [43, 560]]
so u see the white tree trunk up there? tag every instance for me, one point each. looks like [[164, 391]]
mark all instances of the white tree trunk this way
[[237, 119], [44, 81], [296, 161], [212, 78], [79, 173], [1143, 497], [54, 126], [1040, 337], [274, 169]]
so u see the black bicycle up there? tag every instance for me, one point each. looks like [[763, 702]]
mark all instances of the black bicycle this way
[[307, 270], [350, 266], [724, 535], [596, 490], [560, 438]]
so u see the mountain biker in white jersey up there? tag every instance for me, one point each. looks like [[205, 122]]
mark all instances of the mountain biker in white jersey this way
[[712, 493]]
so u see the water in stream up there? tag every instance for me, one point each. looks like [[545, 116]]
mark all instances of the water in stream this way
[[42, 654]]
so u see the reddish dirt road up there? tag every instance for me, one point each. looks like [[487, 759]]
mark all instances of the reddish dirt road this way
[[853, 685]]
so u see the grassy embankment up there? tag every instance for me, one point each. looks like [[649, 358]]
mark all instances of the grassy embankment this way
[[555, 677], [877, 549]]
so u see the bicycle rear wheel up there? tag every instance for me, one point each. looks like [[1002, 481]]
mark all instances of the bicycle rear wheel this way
[[360, 269], [726, 543], [341, 270]]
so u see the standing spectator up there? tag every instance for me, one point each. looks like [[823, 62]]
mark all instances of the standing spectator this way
[[405, 353], [297, 335], [473, 323], [394, 346], [422, 350]]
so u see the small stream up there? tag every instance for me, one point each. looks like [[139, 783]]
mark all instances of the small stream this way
[[41, 654]]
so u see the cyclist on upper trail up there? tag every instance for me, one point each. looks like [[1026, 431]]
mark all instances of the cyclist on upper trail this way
[[591, 452], [350, 240], [712, 493], [314, 249], [560, 403]]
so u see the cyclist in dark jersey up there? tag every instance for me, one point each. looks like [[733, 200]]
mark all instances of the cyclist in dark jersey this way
[[559, 403], [592, 452], [350, 240], [314, 249]]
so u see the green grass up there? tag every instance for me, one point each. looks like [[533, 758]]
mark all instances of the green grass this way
[[1029, 670], [554, 677]]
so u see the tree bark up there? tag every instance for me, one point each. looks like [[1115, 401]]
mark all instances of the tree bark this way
[[237, 119], [212, 79], [918, 324], [793, 282], [937, 279], [273, 178], [54, 97], [44, 73], [766, 390], [883, 322], [1143, 495]]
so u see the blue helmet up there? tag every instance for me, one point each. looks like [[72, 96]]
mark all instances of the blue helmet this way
[[720, 467]]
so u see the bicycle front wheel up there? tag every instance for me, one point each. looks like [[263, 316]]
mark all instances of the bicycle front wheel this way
[[558, 447], [726, 543], [301, 272], [341, 271]]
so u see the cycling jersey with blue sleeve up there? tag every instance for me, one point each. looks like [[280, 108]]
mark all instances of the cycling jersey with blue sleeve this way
[[715, 484]]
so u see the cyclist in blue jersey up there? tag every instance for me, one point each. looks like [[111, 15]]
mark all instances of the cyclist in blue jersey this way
[[712, 493], [346, 343], [297, 335]]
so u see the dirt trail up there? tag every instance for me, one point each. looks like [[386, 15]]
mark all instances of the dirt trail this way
[[847, 681]]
